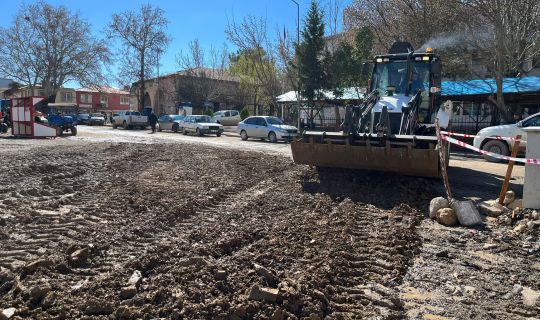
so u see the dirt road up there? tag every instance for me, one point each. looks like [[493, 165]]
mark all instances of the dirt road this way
[[181, 227]]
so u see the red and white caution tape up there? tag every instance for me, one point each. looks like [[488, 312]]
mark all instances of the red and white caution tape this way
[[447, 133], [491, 154]]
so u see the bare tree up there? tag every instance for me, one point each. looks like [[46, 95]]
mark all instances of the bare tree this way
[[142, 35], [506, 34], [251, 35], [49, 46], [415, 21], [203, 72]]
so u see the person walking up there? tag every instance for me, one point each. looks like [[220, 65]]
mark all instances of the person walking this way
[[152, 119]]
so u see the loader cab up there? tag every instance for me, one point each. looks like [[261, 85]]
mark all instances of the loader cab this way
[[399, 76]]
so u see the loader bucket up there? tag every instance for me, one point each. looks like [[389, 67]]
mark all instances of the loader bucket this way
[[408, 155]]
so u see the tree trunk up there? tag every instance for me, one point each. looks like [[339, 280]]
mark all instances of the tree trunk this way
[[338, 117], [143, 89], [500, 71]]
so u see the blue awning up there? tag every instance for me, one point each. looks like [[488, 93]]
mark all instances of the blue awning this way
[[488, 86]]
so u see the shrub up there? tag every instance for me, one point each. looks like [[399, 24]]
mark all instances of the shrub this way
[[244, 113], [209, 112]]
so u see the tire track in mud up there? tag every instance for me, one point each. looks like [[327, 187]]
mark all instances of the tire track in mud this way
[[183, 214]]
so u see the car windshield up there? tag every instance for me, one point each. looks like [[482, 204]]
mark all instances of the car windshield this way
[[274, 120], [84, 116], [200, 119], [97, 115], [135, 113], [178, 118]]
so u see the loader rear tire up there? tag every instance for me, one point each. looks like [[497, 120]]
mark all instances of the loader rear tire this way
[[496, 146]]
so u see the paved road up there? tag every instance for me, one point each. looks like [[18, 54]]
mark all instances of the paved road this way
[[228, 140]]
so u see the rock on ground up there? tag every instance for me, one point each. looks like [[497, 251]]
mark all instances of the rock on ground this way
[[447, 217], [436, 204], [263, 294], [466, 213]]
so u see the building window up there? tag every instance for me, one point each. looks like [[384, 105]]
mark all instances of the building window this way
[[86, 98], [124, 100], [67, 96], [104, 100]]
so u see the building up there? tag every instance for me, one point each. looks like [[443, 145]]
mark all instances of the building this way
[[64, 95], [103, 99], [214, 89], [473, 109], [5, 88]]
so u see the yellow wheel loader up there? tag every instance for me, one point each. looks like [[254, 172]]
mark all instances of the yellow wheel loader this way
[[393, 129]]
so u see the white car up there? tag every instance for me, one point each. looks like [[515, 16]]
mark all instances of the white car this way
[[483, 141], [227, 117], [201, 124], [264, 127]]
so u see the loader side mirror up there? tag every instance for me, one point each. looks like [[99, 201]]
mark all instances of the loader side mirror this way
[[436, 72], [365, 69]]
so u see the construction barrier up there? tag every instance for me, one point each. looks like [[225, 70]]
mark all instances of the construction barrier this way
[[447, 133], [484, 152]]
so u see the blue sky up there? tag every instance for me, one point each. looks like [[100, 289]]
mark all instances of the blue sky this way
[[205, 20]]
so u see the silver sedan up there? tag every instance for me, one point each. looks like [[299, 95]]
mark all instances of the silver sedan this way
[[264, 127], [171, 122]]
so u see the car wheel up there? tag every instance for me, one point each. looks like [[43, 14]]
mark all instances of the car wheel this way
[[218, 134], [272, 137], [243, 135], [159, 128], [198, 132], [73, 131], [495, 146], [114, 126], [124, 125], [175, 128], [184, 132]]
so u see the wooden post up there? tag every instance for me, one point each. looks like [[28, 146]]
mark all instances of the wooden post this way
[[504, 188], [442, 158]]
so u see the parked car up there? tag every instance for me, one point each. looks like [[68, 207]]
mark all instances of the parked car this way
[[264, 127], [172, 122], [83, 118], [503, 147], [96, 119], [227, 117], [201, 124], [129, 120]]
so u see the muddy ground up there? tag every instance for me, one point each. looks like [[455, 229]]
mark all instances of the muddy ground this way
[[185, 231]]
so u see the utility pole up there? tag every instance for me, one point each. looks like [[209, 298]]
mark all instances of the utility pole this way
[[157, 98], [297, 48]]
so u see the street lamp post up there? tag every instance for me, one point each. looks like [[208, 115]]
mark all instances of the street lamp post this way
[[298, 48], [157, 98]]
